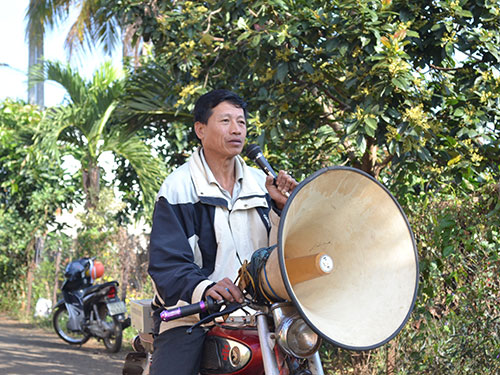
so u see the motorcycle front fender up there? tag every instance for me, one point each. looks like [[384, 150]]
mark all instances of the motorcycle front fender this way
[[58, 304]]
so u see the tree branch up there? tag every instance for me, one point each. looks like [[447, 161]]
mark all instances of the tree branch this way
[[445, 69], [327, 92]]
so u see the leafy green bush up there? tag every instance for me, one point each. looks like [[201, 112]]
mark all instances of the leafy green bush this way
[[456, 323]]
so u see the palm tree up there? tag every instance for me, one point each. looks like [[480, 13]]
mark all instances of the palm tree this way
[[95, 25], [35, 31], [86, 124]]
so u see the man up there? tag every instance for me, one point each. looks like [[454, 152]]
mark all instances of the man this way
[[211, 214]]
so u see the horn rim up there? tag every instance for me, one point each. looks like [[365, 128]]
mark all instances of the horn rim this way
[[288, 286]]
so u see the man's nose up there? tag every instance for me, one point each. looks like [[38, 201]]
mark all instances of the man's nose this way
[[235, 127]]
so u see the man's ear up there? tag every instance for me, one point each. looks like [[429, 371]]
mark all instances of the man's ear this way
[[199, 129]]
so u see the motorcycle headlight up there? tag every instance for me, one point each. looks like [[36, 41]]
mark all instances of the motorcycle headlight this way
[[295, 337]]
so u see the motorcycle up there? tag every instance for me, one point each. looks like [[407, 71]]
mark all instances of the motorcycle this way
[[88, 310]]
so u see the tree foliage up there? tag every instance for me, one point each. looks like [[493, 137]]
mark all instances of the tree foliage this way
[[86, 128], [455, 326], [366, 83], [33, 188]]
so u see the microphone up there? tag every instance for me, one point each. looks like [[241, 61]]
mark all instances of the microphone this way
[[255, 153]]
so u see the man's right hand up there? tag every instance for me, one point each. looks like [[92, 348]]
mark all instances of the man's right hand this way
[[225, 289], [280, 188]]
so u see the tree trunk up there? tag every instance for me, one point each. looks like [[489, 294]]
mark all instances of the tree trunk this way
[[369, 160], [29, 280], [29, 277], [391, 358], [37, 244], [361, 363], [56, 276], [91, 186], [125, 241], [35, 56]]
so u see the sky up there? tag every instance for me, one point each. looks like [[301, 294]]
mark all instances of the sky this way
[[14, 54]]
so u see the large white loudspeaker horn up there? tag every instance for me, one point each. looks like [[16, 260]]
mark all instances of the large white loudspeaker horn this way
[[342, 225]]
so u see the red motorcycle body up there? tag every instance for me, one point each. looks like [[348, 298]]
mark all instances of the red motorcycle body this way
[[232, 350], [235, 350]]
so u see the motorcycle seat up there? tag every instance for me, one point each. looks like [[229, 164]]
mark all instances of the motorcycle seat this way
[[97, 287]]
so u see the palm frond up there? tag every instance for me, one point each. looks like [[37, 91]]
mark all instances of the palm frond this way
[[64, 75], [150, 98], [94, 26], [150, 169], [53, 124], [106, 31], [90, 101], [108, 76], [96, 131]]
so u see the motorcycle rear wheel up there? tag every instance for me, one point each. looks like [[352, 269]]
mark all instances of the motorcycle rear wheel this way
[[113, 342], [60, 322]]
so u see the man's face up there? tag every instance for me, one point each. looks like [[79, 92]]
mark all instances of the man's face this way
[[225, 131]]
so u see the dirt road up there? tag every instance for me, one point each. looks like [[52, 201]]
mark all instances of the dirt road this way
[[27, 350]]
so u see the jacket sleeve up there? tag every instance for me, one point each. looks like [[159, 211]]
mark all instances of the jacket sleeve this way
[[171, 261]]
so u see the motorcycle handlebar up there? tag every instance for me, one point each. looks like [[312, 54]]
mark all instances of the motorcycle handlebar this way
[[179, 312]]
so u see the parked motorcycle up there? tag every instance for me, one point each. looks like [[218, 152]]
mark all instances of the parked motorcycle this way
[[88, 310], [345, 270]]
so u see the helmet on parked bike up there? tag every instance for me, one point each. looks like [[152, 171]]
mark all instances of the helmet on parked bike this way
[[75, 276], [97, 270]]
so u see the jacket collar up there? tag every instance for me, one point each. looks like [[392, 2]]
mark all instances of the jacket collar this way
[[209, 191]]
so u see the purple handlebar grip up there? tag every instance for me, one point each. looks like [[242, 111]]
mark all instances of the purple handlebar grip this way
[[166, 315], [179, 312]]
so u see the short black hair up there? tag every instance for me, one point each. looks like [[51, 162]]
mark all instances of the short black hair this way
[[205, 103]]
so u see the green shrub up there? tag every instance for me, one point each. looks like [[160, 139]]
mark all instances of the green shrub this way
[[456, 323]]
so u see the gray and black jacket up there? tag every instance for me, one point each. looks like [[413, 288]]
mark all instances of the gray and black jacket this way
[[199, 236]]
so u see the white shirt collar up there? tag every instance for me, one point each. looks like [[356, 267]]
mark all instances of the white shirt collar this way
[[211, 178]]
